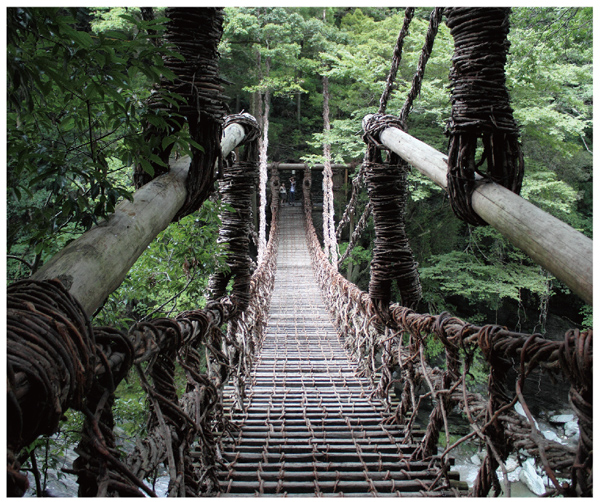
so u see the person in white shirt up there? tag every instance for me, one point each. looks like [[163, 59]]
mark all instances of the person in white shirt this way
[[282, 194], [292, 190]]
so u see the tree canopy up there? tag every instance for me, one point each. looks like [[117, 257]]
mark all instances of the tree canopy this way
[[78, 83]]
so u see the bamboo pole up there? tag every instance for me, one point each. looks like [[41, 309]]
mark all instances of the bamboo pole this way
[[559, 248], [95, 264]]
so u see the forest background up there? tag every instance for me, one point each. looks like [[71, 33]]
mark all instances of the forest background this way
[[78, 82], [77, 87]]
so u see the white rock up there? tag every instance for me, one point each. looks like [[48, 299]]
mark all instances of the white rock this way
[[513, 476], [511, 464], [561, 419], [552, 436], [572, 429], [519, 409], [475, 459], [468, 473], [531, 478]]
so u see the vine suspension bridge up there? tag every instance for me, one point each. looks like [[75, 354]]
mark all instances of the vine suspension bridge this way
[[302, 367], [308, 425]]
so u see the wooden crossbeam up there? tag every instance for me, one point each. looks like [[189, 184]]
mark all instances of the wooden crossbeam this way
[[550, 242], [319, 167], [94, 265]]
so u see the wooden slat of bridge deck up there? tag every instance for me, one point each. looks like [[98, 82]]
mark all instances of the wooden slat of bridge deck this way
[[309, 427]]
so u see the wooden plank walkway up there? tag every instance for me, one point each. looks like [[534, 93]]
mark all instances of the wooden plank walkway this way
[[309, 428]]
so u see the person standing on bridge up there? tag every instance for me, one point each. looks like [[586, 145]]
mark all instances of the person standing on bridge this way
[[292, 190], [282, 194]]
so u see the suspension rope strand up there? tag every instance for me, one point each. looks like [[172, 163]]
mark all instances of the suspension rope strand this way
[[434, 21], [397, 56]]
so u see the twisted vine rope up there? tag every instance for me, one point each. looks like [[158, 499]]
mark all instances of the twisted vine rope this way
[[481, 111], [236, 187], [399, 347]]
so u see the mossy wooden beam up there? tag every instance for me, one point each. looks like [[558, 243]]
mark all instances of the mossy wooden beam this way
[[94, 265]]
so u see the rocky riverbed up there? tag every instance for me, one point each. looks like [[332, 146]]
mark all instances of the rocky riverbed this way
[[526, 477]]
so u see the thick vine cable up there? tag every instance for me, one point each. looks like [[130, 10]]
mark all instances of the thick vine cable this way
[[481, 112]]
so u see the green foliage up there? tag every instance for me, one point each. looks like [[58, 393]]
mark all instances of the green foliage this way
[[131, 412], [76, 108], [588, 317], [172, 274], [488, 273]]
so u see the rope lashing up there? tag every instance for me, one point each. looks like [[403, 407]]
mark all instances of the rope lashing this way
[[195, 34], [50, 357], [481, 110], [389, 86], [392, 256], [50, 363], [236, 188], [387, 187], [360, 226], [435, 19]]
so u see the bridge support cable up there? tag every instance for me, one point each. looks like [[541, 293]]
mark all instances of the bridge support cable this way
[[329, 237], [551, 243], [236, 187], [382, 350]]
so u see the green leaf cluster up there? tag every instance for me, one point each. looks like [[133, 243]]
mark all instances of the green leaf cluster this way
[[76, 108]]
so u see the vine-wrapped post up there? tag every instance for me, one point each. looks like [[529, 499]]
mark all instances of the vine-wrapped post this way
[[392, 256], [481, 110], [236, 189], [195, 33]]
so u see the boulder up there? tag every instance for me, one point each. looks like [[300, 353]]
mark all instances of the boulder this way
[[562, 419], [531, 478], [572, 429]]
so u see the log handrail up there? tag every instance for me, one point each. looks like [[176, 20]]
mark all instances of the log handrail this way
[[87, 266], [550, 242]]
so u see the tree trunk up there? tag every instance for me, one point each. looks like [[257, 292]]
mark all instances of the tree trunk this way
[[92, 266]]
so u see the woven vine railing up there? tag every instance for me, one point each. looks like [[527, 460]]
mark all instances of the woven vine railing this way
[[380, 350], [56, 360]]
